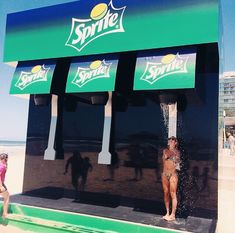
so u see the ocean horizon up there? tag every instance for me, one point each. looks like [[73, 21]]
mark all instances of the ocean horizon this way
[[12, 143]]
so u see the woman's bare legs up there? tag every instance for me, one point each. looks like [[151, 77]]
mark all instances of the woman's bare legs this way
[[6, 199], [166, 190], [173, 190]]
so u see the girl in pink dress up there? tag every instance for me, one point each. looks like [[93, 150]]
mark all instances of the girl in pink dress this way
[[3, 189]]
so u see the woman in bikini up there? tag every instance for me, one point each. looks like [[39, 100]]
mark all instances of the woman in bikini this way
[[171, 162]]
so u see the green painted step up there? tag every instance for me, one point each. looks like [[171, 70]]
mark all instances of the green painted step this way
[[41, 220], [56, 226]]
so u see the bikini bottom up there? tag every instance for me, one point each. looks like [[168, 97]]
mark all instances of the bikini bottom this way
[[168, 175]]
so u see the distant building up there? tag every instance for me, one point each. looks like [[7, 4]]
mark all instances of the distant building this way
[[227, 94]]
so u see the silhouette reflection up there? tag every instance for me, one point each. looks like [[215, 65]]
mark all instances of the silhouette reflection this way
[[79, 171], [86, 167], [113, 166], [205, 181], [136, 155]]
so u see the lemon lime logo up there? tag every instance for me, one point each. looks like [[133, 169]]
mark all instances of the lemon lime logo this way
[[170, 64], [104, 19], [38, 74], [97, 69]]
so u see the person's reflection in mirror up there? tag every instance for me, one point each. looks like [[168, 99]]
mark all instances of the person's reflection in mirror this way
[[136, 154], [75, 162], [113, 166], [86, 167]]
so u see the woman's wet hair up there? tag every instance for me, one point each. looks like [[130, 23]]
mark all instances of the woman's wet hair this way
[[172, 138], [3, 156]]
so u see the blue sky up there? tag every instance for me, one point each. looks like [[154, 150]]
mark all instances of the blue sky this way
[[228, 25], [13, 122]]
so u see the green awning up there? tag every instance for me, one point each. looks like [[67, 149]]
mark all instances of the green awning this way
[[165, 69], [33, 77], [92, 74]]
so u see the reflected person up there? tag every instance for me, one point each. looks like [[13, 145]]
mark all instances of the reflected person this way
[[205, 180], [137, 157], [231, 141], [86, 167], [171, 163], [76, 162], [113, 166], [195, 177]]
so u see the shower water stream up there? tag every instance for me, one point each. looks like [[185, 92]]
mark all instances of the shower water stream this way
[[187, 191], [169, 112]]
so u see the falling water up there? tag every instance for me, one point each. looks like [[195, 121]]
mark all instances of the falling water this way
[[165, 113], [169, 112], [187, 190]]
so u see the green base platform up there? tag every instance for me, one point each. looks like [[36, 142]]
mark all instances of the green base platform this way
[[43, 220]]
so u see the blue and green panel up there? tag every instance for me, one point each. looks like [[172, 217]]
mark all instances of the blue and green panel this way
[[108, 26], [92, 74], [165, 69], [33, 77]]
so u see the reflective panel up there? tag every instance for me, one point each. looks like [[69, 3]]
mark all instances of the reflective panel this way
[[134, 176]]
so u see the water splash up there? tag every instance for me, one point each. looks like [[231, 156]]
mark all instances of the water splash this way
[[169, 113], [187, 191], [165, 114]]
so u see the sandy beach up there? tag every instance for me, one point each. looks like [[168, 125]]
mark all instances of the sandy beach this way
[[15, 168], [14, 177]]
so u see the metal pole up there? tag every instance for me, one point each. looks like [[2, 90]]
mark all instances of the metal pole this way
[[50, 152], [104, 155]]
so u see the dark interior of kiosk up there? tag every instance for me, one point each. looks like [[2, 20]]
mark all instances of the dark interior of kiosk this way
[[137, 138]]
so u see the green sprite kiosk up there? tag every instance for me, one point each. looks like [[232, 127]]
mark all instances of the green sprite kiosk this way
[[81, 29]]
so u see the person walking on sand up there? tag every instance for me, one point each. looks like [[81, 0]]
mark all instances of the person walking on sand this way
[[171, 163], [3, 189], [231, 142]]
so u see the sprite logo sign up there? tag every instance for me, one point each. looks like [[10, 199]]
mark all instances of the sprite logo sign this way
[[37, 74], [97, 69], [170, 64], [104, 19]]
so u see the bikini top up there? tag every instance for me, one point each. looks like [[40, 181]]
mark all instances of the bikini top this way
[[175, 161], [172, 158]]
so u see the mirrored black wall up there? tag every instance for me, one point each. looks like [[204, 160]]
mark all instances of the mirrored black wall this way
[[139, 134]]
